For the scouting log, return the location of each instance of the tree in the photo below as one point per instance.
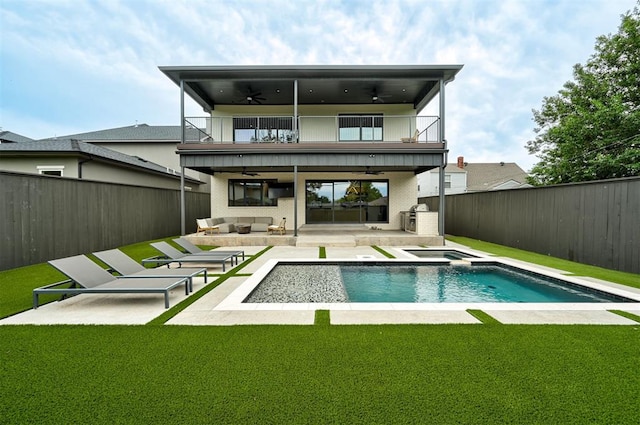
(590, 130)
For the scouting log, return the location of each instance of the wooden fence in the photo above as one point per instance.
(594, 223)
(45, 217)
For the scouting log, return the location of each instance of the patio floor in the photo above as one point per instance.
(137, 309)
(314, 235)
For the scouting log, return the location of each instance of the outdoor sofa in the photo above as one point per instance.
(232, 224)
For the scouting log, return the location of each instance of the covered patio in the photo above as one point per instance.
(314, 235)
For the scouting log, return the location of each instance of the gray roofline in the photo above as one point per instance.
(88, 150)
(196, 74)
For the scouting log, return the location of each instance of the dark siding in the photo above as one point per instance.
(594, 223)
(43, 217)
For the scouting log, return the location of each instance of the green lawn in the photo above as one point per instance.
(432, 374)
(480, 374)
(629, 279)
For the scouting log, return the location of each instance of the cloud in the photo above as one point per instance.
(89, 64)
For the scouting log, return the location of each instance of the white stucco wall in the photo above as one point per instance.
(429, 183)
(318, 122)
(30, 165)
(402, 195)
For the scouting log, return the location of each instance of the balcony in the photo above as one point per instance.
(313, 129)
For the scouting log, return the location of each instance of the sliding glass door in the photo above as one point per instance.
(348, 201)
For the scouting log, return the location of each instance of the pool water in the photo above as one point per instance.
(448, 284)
(450, 254)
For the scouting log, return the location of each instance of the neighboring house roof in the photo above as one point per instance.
(134, 133)
(450, 168)
(73, 146)
(494, 176)
(10, 137)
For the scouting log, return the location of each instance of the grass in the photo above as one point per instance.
(320, 374)
(383, 252)
(489, 373)
(629, 279)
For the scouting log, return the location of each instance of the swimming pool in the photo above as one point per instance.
(407, 282)
(462, 283)
(301, 293)
(451, 254)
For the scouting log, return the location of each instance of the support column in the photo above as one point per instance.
(295, 110)
(441, 137)
(295, 200)
(182, 140)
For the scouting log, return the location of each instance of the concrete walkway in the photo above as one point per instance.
(136, 309)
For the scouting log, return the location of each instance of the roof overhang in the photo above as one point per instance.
(321, 158)
(210, 86)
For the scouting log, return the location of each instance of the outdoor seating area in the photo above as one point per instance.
(171, 255)
(86, 277)
(240, 225)
(212, 309)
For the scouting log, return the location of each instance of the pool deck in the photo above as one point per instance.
(216, 308)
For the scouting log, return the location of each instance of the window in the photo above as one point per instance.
(250, 193)
(447, 181)
(351, 201)
(360, 127)
(50, 170)
(262, 129)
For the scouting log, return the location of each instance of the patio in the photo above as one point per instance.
(314, 235)
(206, 311)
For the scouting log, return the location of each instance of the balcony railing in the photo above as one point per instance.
(312, 129)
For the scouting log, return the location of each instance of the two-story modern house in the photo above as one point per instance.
(315, 144)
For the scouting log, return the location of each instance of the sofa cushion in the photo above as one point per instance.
(245, 220)
(259, 227)
(265, 220)
(226, 227)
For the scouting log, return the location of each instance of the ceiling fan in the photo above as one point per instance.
(370, 172)
(248, 173)
(253, 97)
(378, 98)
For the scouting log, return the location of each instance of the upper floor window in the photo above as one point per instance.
(262, 129)
(51, 170)
(250, 193)
(360, 127)
(447, 181)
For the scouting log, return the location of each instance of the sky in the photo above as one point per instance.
(72, 66)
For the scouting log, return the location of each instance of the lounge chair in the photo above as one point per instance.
(413, 139)
(89, 278)
(172, 255)
(278, 228)
(126, 266)
(194, 250)
(203, 226)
